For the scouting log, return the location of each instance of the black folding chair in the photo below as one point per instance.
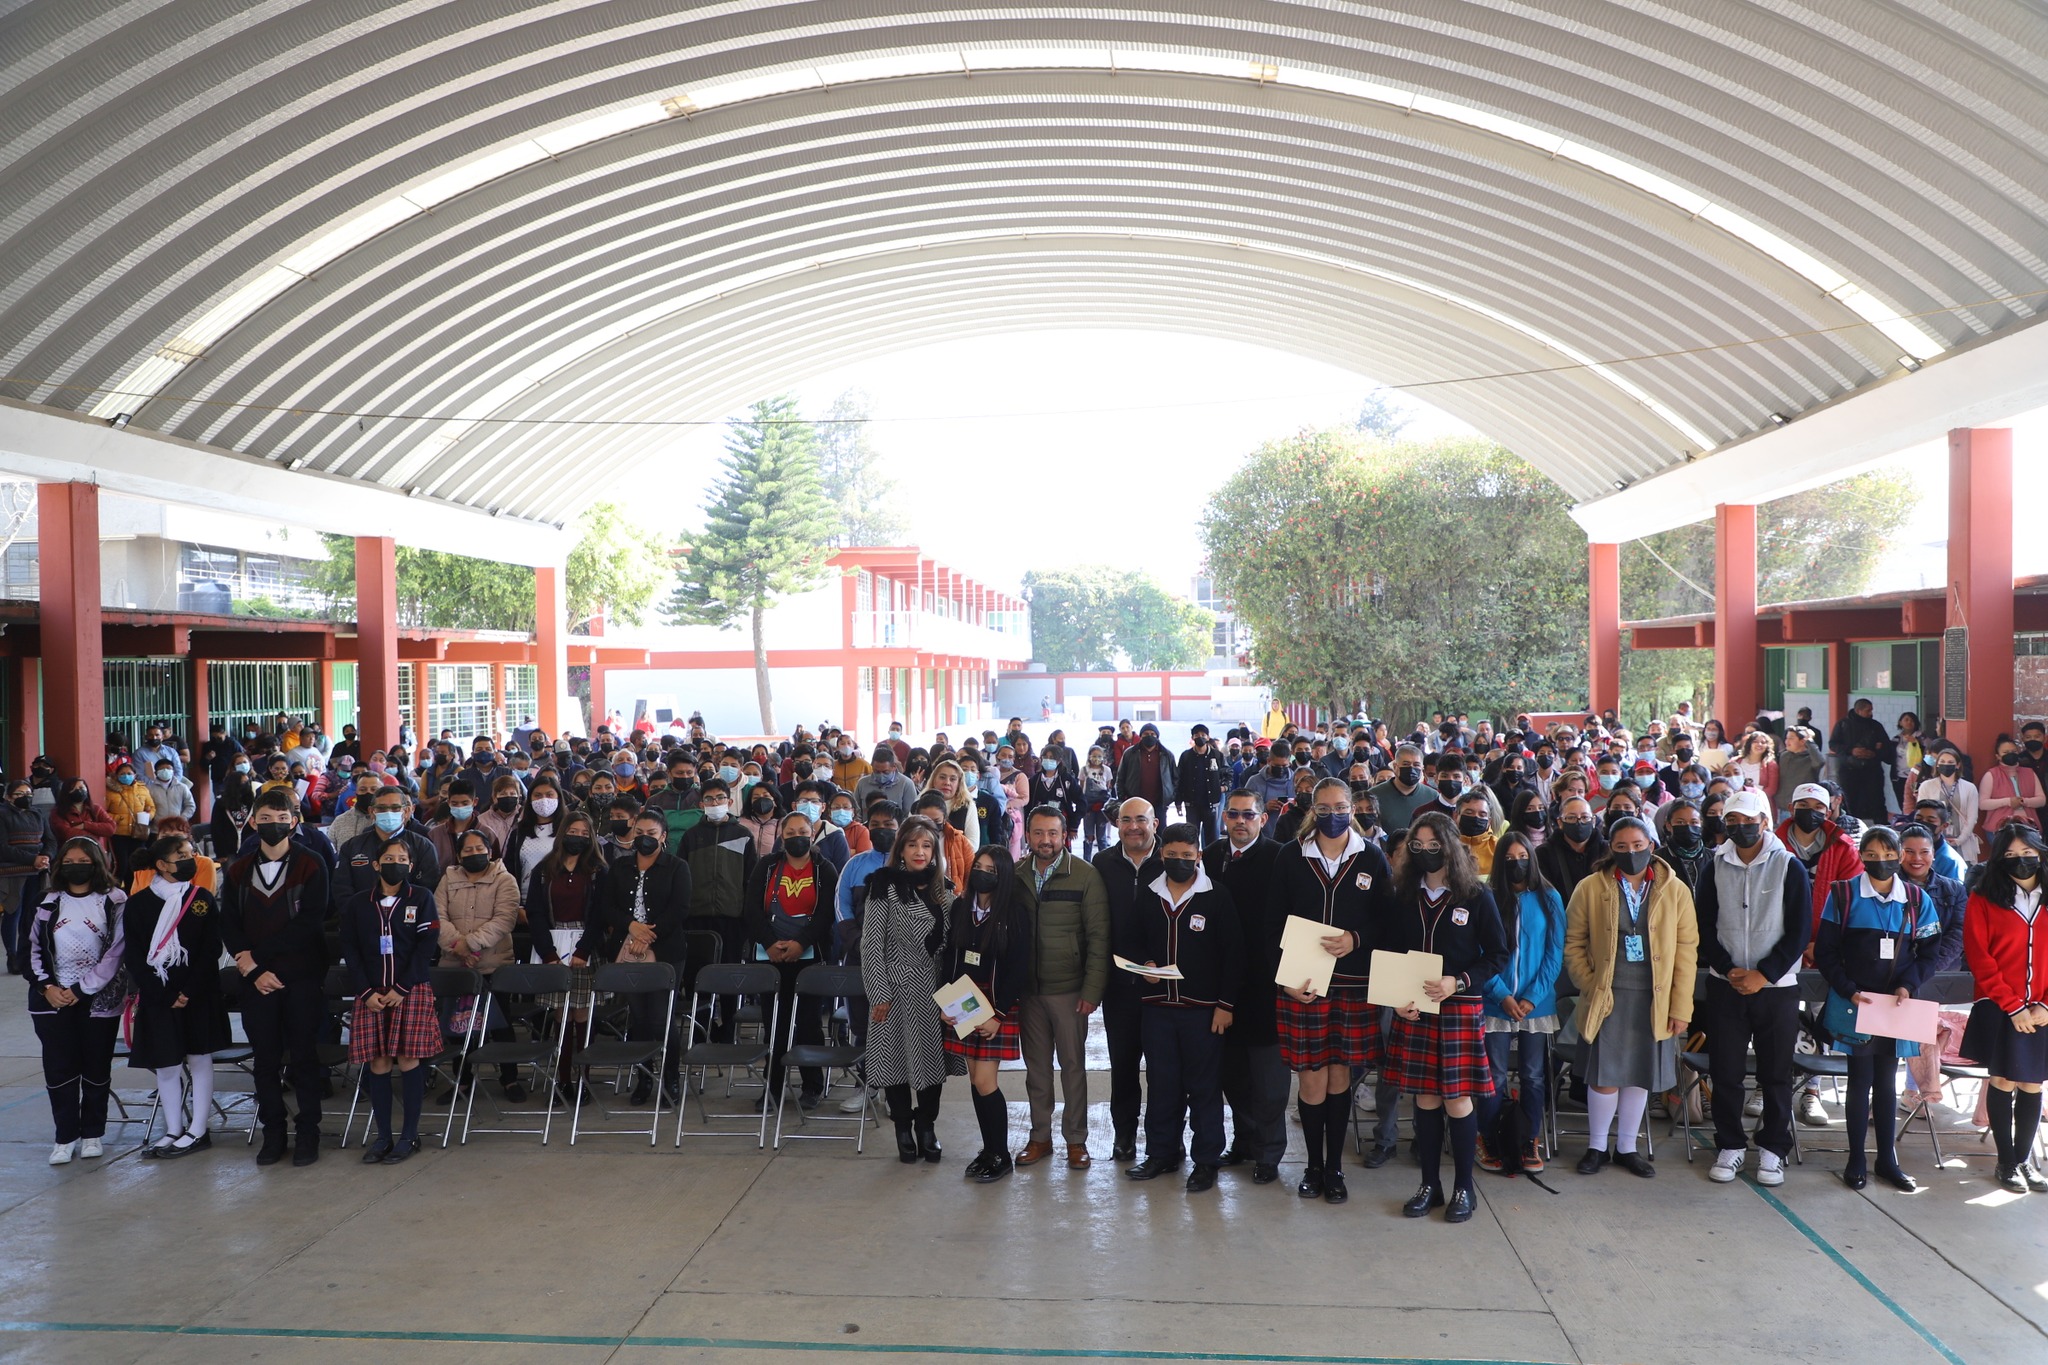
(1813, 994)
(734, 980)
(449, 984)
(825, 983)
(624, 1055)
(537, 1050)
(1947, 988)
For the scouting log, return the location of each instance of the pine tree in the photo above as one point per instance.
(766, 533)
(852, 470)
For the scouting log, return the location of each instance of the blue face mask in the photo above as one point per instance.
(390, 821)
(970, 780)
(729, 773)
(885, 779)
(1646, 781)
(126, 779)
(810, 810)
(1049, 764)
(841, 818)
(461, 813)
(1692, 790)
(1333, 825)
(1609, 781)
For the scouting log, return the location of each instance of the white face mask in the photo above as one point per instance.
(716, 814)
(544, 806)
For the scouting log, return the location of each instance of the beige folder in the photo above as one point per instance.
(1397, 979)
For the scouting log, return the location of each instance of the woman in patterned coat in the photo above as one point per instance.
(903, 933)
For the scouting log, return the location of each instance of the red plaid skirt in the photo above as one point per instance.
(411, 1028)
(1441, 1054)
(1006, 1046)
(1337, 1030)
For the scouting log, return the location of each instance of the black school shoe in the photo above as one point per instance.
(1232, 1157)
(1380, 1155)
(1265, 1173)
(1201, 1179)
(1897, 1179)
(376, 1151)
(1635, 1163)
(1152, 1167)
(1593, 1160)
(995, 1169)
(1311, 1186)
(402, 1151)
(273, 1147)
(1333, 1188)
(306, 1150)
(1459, 1210)
(1430, 1196)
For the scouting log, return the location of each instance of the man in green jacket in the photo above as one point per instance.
(1069, 972)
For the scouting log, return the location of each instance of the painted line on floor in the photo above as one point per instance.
(734, 1344)
(1827, 1249)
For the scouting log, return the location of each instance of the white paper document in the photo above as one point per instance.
(1397, 979)
(1303, 958)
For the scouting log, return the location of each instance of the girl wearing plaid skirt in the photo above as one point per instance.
(1441, 907)
(390, 935)
(990, 944)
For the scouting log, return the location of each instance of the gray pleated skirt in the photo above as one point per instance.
(1624, 1053)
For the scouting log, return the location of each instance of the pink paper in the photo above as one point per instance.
(1918, 1021)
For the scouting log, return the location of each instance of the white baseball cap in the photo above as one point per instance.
(1811, 791)
(1750, 803)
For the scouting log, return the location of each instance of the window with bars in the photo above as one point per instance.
(522, 693)
(459, 700)
(240, 693)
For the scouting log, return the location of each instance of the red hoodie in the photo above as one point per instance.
(1838, 861)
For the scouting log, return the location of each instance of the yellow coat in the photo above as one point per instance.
(1481, 847)
(1592, 939)
(125, 803)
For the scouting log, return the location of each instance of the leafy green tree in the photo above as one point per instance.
(767, 532)
(1156, 629)
(436, 590)
(862, 492)
(617, 568)
(1383, 416)
(1084, 618)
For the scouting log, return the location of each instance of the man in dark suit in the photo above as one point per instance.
(1255, 1079)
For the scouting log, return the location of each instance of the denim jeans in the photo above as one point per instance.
(1531, 1065)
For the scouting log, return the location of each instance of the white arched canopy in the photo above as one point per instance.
(482, 253)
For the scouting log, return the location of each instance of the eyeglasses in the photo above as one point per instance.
(1240, 815)
(1333, 810)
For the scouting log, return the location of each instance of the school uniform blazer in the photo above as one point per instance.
(1004, 970)
(198, 976)
(291, 939)
(1357, 898)
(1466, 931)
(1249, 878)
(1592, 940)
(1202, 938)
(2007, 954)
(816, 935)
(415, 940)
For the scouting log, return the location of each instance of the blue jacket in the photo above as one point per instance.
(1537, 933)
(1949, 898)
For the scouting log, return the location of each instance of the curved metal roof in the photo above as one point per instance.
(483, 252)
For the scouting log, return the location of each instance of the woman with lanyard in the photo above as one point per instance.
(1878, 935)
(559, 896)
(1335, 876)
(390, 938)
(902, 943)
(1632, 944)
(2005, 943)
(1521, 1002)
(789, 917)
(989, 943)
(76, 994)
(172, 932)
(1441, 907)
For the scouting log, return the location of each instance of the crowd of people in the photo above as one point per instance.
(1573, 878)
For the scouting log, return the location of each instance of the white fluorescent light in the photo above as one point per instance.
(603, 126)
(338, 241)
(471, 174)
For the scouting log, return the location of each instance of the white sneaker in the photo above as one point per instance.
(852, 1104)
(1808, 1110)
(1770, 1169)
(61, 1154)
(90, 1148)
(1727, 1165)
(1754, 1105)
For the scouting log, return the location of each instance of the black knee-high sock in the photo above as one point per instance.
(1312, 1131)
(1884, 1110)
(378, 1084)
(1862, 1073)
(414, 1085)
(1429, 1143)
(1464, 1145)
(2026, 1124)
(1336, 1127)
(994, 1113)
(1999, 1104)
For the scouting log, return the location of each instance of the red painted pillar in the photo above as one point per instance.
(1603, 640)
(377, 642)
(25, 725)
(551, 649)
(74, 667)
(1980, 584)
(1735, 643)
(500, 723)
(422, 694)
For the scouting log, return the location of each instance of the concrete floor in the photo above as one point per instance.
(505, 1251)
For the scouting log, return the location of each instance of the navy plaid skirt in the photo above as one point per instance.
(412, 1028)
(1441, 1054)
(1006, 1046)
(1335, 1030)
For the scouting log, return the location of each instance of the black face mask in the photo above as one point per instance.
(1633, 863)
(1530, 819)
(393, 874)
(797, 845)
(475, 862)
(1685, 837)
(78, 797)
(644, 844)
(618, 828)
(1148, 742)
(1881, 869)
(1683, 756)
(2034, 746)
(24, 801)
(1179, 871)
(1449, 787)
(1472, 826)
(506, 804)
(1406, 775)
(1711, 827)
(1809, 820)
(2010, 760)
(1746, 835)
(76, 874)
(1427, 859)
(274, 832)
(184, 869)
(1368, 820)
(882, 839)
(1517, 871)
(2020, 869)
(980, 881)
(1577, 830)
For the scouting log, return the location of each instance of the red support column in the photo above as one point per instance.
(551, 649)
(323, 704)
(25, 726)
(422, 693)
(1980, 584)
(74, 667)
(1603, 641)
(501, 723)
(1735, 635)
(377, 643)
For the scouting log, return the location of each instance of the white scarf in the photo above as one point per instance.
(166, 949)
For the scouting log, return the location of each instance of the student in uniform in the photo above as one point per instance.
(1255, 1079)
(989, 943)
(172, 929)
(390, 938)
(76, 994)
(2005, 943)
(1879, 935)
(1632, 944)
(1440, 906)
(1188, 922)
(789, 919)
(1335, 875)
